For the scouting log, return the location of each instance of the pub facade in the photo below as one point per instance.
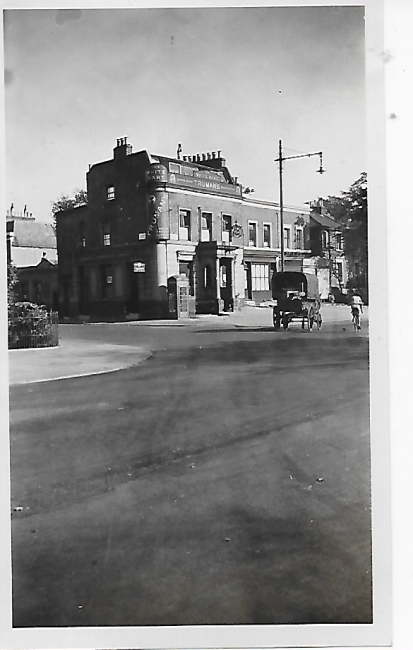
(153, 223)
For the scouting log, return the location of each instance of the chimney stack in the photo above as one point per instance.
(122, 148)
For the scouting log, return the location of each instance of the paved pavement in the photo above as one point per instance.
(80, 358)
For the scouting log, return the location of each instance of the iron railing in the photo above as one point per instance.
(31, 326)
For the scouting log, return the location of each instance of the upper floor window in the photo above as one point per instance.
(299, 238)
(110, 193)
(339, 241)
(105, 228)
(206, 226)
(252, 233)
(226, 228)
(266, 235)
(184, 224)
(287, 237)
(324, 239)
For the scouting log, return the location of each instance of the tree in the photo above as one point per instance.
(67, 203)
(350, 209)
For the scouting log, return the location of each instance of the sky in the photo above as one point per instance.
(231, 79)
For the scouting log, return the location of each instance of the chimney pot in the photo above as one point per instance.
(209, 155)
(198, 157)
(213, 155)
(203, 156)
(219, 153)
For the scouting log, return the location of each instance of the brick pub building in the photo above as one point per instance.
(152, 219)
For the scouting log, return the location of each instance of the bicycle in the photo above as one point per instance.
(356, 319)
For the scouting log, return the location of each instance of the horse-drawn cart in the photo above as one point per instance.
(296, 297)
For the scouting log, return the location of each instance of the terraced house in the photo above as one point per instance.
(162, 237)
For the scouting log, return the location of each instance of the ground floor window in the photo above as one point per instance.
(223, 276)
(207, 276)
(260, 277)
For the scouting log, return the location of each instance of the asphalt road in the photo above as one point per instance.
(224, 480)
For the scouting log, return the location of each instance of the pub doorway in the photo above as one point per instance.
(225, 283)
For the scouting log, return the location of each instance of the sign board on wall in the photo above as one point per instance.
(213, 186)
(139, 267)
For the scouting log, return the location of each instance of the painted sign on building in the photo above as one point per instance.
(207, 185)
(157, 174)
(158, 226)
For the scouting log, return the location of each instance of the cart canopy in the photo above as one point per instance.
(306, 283)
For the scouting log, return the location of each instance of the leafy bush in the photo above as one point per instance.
(31, 326)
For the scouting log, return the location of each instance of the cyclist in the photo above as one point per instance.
(356, 305)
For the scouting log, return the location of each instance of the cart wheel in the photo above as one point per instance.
(310, 320)
(319, 321)
(285, 321)
(276, 319)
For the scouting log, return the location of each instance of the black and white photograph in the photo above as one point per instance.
(198, 426)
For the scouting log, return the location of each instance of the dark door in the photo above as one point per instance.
(225, 283)
(132, 303)
(248, 290)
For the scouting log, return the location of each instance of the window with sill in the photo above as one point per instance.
(184, 224)
(105, 229)
(226, 228)
(252, 234)
(299, 238)
(206, 226)
(266, 235)
(260, 277)
(287, 238)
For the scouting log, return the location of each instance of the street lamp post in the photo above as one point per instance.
(280, 161)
